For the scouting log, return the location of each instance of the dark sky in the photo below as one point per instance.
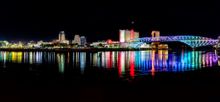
(100, 20)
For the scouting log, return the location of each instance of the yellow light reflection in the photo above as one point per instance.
(16, 57)
(30, 58)
(152, 62)
(95, 56)
(160, 54)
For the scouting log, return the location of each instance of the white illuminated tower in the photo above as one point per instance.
(62, 36)
(59, 37)
(77, 40)
(122, 35)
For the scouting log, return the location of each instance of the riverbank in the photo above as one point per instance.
(77, 49)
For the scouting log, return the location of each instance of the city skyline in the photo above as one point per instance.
(109, 50)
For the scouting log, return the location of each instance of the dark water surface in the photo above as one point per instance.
(109, 76)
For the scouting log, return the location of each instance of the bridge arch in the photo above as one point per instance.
(192, 41)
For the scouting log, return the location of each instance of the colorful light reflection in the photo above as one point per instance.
(127, 63)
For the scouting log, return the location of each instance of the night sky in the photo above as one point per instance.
(99, 20)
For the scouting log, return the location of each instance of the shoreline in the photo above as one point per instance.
(78, 49)
(88, 49)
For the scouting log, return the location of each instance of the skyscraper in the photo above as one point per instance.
(83, 40)
(127, 35)
(132, 34)
(76, 40)
(62, 36)
(121, 35)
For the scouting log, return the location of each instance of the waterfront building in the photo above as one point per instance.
(62, 38)
(76, 40)
(83, 40)
(98, 44)
(112, 44)
(105, 44)
(127, 35)
(121, 36)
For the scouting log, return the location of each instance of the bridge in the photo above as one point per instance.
(192, 41)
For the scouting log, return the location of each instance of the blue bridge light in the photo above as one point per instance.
(192, 41)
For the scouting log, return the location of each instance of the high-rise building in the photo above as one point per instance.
(127, 35)
(76, 40)
(121, 35)
(83, 40)
(62, 38)
(132, 34)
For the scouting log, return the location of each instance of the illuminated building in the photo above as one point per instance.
(121, 35)
(98, 44)
(83, 40)
(76, 40)
(62, 38)
(107, 44)
(112, 44)
(132, 34)
(127, 35)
